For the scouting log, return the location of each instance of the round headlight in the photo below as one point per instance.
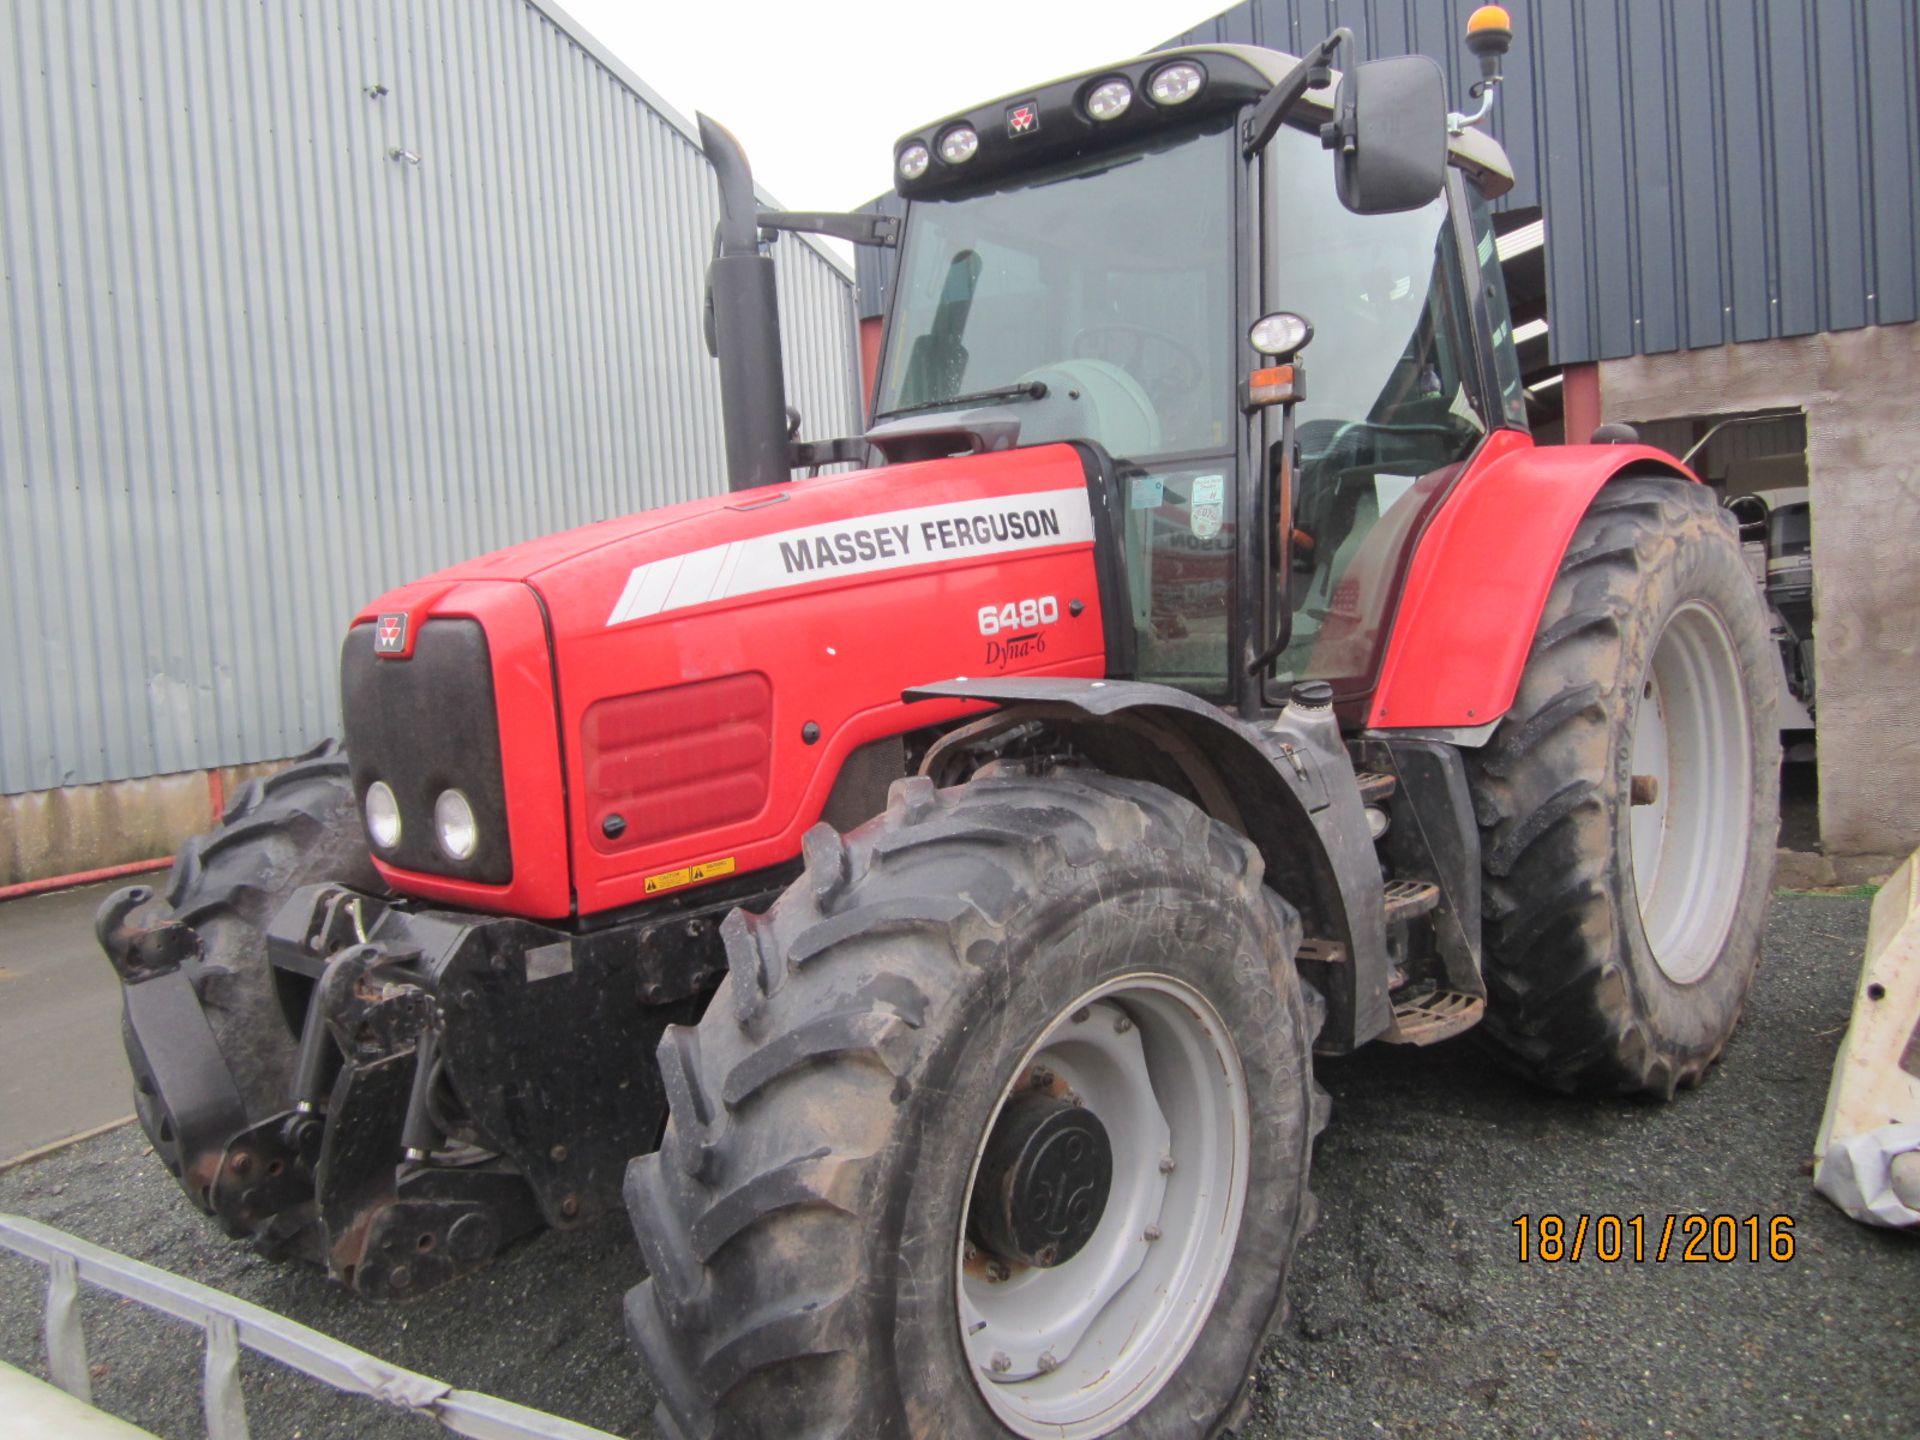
(1177, 83)
(1281, 333)
(959, 144)
(1109, 100)
(914, 161)
(383, 815)
(454, 825)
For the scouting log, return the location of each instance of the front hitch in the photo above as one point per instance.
(459, 1080)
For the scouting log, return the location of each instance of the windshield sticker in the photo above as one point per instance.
(1147, 493)
(1205, 521)
(1209, 489)
(895, 540)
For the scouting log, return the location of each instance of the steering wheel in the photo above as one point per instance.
(1164, 368)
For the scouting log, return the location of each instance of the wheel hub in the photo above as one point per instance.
(1121, 1139)
(1043, 1181)
(1690, 818)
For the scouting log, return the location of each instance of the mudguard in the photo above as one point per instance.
(1480, 574)
(1289, 787)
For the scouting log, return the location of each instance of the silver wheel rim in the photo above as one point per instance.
(1078, 1349)
(1691, 735)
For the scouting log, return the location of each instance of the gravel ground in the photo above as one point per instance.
(1411, 1313)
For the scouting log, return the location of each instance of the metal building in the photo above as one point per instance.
(1714, 170)
(302, 301)
(1716, 217)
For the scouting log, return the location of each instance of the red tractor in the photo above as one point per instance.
(919, 892)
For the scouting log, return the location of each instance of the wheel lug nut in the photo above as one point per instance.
(1082, 1015)
(1000, 1363)
(1041, 1079)
(1121, 1024)
(997, 1270)
(1046, 1364)
(1152, 1232)
(1166, 1164)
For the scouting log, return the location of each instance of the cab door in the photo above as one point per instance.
(1400, 397)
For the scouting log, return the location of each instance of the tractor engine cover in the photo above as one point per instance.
(702, 673)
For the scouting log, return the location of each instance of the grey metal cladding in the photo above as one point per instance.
(1711, 170)
(301, 301)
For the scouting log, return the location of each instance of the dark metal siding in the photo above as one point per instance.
(1710, 170)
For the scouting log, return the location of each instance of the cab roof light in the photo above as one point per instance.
(1110, 99)
(1176, 84)
(959, 145)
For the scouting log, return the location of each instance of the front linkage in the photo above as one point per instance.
(459, 1080)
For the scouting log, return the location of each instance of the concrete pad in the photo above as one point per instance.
(1810, 870)
(30, 1407)
(63, 1071)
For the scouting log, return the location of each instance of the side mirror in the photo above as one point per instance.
(1389, 135)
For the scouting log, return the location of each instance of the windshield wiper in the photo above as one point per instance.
(1032, 390)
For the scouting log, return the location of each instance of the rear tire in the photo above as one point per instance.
(297, 827)
(1622, 938)
(803, 1221)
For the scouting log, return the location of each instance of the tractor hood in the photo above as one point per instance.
(706, 669)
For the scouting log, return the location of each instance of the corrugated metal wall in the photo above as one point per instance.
(303, 300)
(1710, 170)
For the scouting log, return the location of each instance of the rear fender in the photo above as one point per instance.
(1479, 578)
(1302, 811)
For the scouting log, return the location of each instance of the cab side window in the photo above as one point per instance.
(1493, 283)
(1391, 402)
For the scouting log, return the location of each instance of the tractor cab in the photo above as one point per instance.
(1088, 261)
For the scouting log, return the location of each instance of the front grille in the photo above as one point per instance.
(427, 724)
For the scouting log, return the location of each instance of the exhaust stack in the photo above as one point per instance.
(743, 324)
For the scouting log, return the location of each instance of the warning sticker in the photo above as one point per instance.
(687, 875)
(1148, 493)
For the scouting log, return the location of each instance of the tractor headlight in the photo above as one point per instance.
(1281, 333)
(959, 144)
(1177, 83)
(454, 825)
(914, 161)
(383, 815)
(1109, 100)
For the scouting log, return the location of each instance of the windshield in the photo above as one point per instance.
(1107, 280)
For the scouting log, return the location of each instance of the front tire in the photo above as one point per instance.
(822, 1260)
(1624, 916)
(299, 826)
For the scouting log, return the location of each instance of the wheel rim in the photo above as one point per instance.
(1075, 1349)
(1691, 735)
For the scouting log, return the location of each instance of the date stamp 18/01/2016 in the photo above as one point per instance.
(1692, 1239)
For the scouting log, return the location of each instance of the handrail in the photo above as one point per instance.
(230, 1323)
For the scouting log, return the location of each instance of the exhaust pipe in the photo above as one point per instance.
(743, 324)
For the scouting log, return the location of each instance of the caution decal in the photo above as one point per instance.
(688, 874)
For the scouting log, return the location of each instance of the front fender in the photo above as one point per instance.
(1479, 578)
(1288, 788)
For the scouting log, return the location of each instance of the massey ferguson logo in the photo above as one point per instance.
(390, 634)
(1023, 119)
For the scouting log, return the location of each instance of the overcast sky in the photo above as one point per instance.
(818, 90)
